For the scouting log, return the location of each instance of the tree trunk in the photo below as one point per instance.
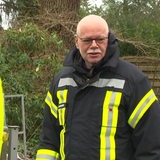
(60, 16)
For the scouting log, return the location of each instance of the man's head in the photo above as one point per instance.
(92, 39)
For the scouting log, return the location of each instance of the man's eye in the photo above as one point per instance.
(87, 40)
(100, 40)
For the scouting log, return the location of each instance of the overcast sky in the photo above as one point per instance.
(4, 22)
(97, 2)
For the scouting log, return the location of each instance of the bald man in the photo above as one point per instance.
(99, 107)
(87, 33)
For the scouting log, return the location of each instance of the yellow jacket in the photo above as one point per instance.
(1, 115)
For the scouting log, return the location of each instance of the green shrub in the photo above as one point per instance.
(29, 58)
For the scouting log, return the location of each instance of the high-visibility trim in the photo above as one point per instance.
(141, 108)
(109, 123)
(62, 97)
(61, 113)
(45, 154)
(115, 83)
(67, 82)
(50, 103)
(2, 115)
(62, 143)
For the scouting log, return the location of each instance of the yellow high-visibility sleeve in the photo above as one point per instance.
(1, 115)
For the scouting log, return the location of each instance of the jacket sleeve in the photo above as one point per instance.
(2, 115)
(49, 136)
(145, 119)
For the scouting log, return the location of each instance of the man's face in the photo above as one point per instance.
(92, 42)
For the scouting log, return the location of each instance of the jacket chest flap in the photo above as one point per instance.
(98, 102)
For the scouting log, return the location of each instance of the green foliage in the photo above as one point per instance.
(127, 49)
(29, 58)
(21, 7)
(137, 23)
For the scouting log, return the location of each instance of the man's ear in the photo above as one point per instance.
(76, 41)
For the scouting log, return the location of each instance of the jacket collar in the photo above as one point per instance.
(84, 76)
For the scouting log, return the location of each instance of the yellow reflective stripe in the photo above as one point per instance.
(103, 128)
(50, 103)
(61, 113)
(114, 124)
(46, 154)
(141, 108)
(109, 124)
(62, 143)
(2, 114)
(62, 97)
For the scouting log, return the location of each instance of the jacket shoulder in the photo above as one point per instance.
(66, 71)
(130, 71)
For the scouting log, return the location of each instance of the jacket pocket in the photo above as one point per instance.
(113, 117)
(110, 109)
(109, 117)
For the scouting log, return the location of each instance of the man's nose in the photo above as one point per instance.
(94, 43)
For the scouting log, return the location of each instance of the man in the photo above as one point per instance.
(99, 107)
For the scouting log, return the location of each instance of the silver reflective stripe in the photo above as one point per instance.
(46, 157)
(110, 114)
(109, 129)
(141, 108)
(51, 104)
(67, 82)
(116, 83)
(109, 125)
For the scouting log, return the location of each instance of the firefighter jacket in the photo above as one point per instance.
(107, 113)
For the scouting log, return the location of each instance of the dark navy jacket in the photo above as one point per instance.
(107, 113)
